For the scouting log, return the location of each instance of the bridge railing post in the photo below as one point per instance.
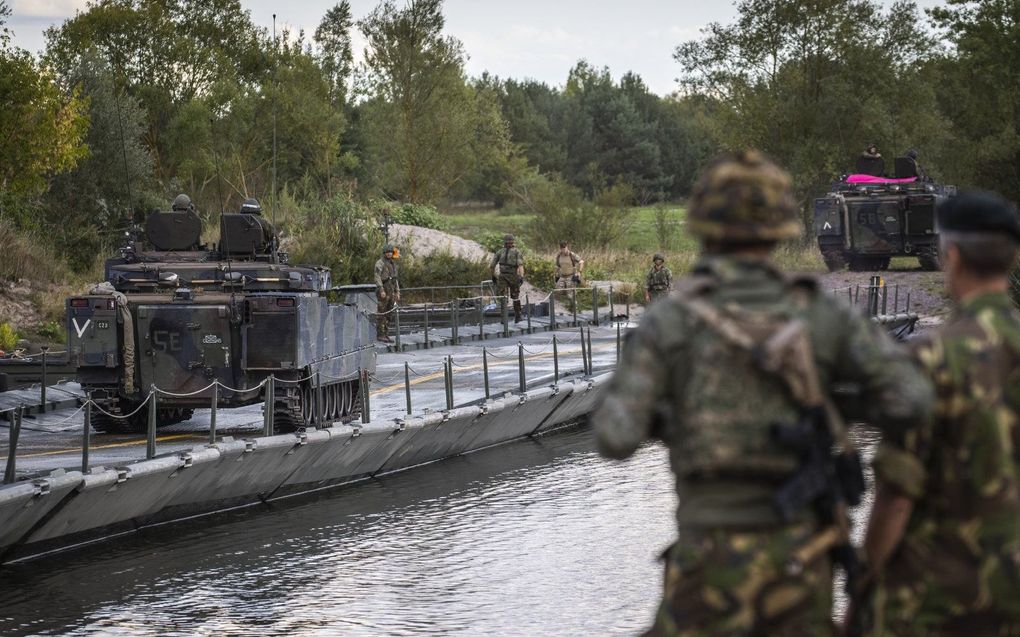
(86, 435)
(522, 381)
(584, 353)
(366, 404)
(214, 406)
(485, 371)
(150, 437)
(42, 390)
(407, 386)
(268, 413)
(556, 361)
(448, 381)
(11, 470)
(396, 323)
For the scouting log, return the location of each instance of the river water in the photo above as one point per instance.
(538, 537)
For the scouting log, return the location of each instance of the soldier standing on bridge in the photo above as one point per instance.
(508, 272)
(659, 279)
(944, 537)
(568, 268)
(387, 285)
(712, 372)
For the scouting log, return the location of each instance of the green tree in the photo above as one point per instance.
(85, 205)
(979, 89)
(170, 52)
(812, 83)
(333, 37)
(42, 129)
(423, 124)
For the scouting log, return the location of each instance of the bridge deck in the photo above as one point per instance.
(53, 439)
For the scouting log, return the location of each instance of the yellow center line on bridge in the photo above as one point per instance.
(378, 392)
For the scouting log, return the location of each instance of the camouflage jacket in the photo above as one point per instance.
(386, 275)
(509, 259)
(678, 381)
(658, 279)
(962, 542)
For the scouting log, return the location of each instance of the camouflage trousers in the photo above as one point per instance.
(733, 584)
(658, 294)
(384, 313)
(509, 284)
(942, 590)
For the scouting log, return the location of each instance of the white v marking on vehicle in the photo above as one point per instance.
(80, 330)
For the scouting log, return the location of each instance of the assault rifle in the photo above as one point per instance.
(827, 482)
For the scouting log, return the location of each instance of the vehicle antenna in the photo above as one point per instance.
(276, 65)
(123, 153)
(224, 248)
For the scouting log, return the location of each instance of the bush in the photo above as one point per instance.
(341, 234)
(412, 214)
(493, 242)
(53, 332)
(8, 337)
(540, 271)
(442, 269)
(563, 213)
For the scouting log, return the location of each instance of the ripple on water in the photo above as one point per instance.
(539, 537)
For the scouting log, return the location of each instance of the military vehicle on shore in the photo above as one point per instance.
(176, 314)
(867, 218)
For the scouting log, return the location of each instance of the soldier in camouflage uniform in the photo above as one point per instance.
(508, 273)
(387, 285)
(944, 537)
(659, 279)
(681, 380)
(568, 268)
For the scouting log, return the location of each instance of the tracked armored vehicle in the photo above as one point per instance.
(868, 219)
(176, 315)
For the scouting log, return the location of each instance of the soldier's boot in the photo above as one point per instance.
(517, 311)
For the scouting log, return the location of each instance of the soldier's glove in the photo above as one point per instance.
(520, 280)
(495, 279)
(577, 279)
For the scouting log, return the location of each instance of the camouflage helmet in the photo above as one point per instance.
(508, 238)
(182, 203)
(743, 198)
(658, 257)
(389, 247)
(251, 206)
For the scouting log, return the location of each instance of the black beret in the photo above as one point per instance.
(979, 212)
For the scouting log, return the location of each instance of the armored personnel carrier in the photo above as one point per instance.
(867, 219)
(176, 314)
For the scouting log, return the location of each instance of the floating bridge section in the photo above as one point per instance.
(426, 405)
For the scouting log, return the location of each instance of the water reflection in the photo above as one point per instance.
(538, 537)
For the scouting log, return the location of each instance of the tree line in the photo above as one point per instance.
(133, 101)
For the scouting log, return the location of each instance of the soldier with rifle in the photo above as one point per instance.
(734, 373)
(943, 543)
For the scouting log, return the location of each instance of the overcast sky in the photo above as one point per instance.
(538, 39)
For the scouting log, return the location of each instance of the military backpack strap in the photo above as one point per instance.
(786, 353)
